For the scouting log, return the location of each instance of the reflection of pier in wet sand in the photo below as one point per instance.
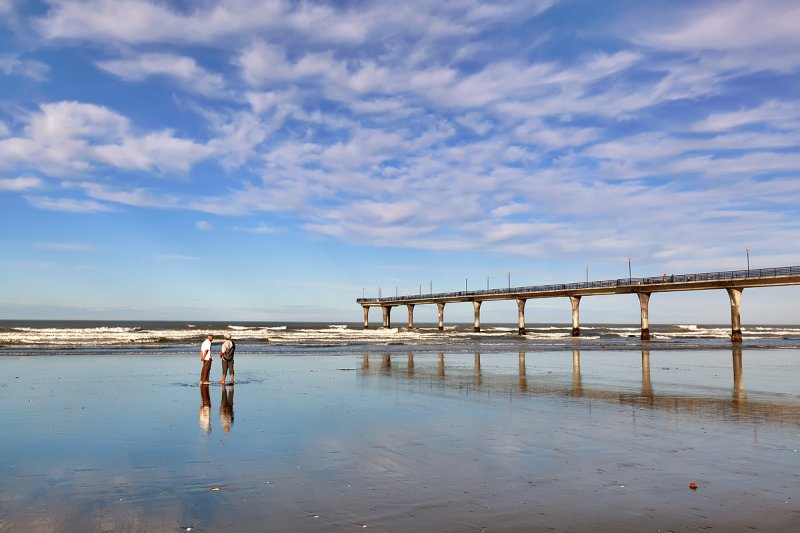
(524, 383)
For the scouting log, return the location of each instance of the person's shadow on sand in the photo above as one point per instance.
(226, 408)
(205, 409)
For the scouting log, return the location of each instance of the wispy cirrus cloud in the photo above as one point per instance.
(184, 70)
(68, 205)
(63, 246)
(22, 183)
(13, 65)
(423, 126)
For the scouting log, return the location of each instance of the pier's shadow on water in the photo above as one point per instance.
(460, 373)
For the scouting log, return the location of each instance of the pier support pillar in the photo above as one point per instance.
(644, 302)
(521, 315)
(440, 306)
(410, 316)
(576, 325)
(387, 316)
(736, 322)
(366, 316)
(477, 326)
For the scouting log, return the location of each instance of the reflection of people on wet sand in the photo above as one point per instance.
(226, 357)
(205, 408)
(226, 408)
(205, 357)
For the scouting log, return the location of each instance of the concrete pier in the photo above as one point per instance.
(521, 315)
(734, 282)
(576, 325)
(410, 316)
(387, 316)
(644, 301)
(735, 296)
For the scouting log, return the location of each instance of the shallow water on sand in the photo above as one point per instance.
(593, 440)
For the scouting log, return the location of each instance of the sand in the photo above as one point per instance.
(558, 441)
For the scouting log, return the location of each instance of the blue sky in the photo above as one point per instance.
(273, 160)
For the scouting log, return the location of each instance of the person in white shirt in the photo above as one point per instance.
(205, 357)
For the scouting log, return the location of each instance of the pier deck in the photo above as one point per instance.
(734, 282)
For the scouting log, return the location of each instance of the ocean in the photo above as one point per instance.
(42, 337)
(329, 426)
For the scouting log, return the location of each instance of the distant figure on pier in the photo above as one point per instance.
(205, 357)
(226, 357)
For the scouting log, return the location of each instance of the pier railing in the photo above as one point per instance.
(753, 273)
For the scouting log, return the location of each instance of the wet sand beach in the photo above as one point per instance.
(404, 441)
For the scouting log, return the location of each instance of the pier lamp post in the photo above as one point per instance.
(747, 251)
(629, 269)
(395, 291)
(379, 293)
(587, 273)
(430, 281)
(466, 284)
(487, 283)
(509, 280)
(363, 292)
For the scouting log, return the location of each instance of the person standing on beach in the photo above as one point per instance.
(226, 357)
(205, 357)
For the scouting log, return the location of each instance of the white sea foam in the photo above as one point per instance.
(343, 334)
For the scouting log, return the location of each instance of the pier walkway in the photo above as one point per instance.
(734, 282)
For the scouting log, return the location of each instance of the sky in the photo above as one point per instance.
(275, 160)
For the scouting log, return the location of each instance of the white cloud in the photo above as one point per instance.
(138, 197)
(138, 21)
(261, 229)
(68, 205)
(183, 69)
(23, 183)
(160, 150)
(63, 246)
(12, 65)
(178, 257)
(735, 25)
(772, 112)
(203, 225)
(64, 138)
